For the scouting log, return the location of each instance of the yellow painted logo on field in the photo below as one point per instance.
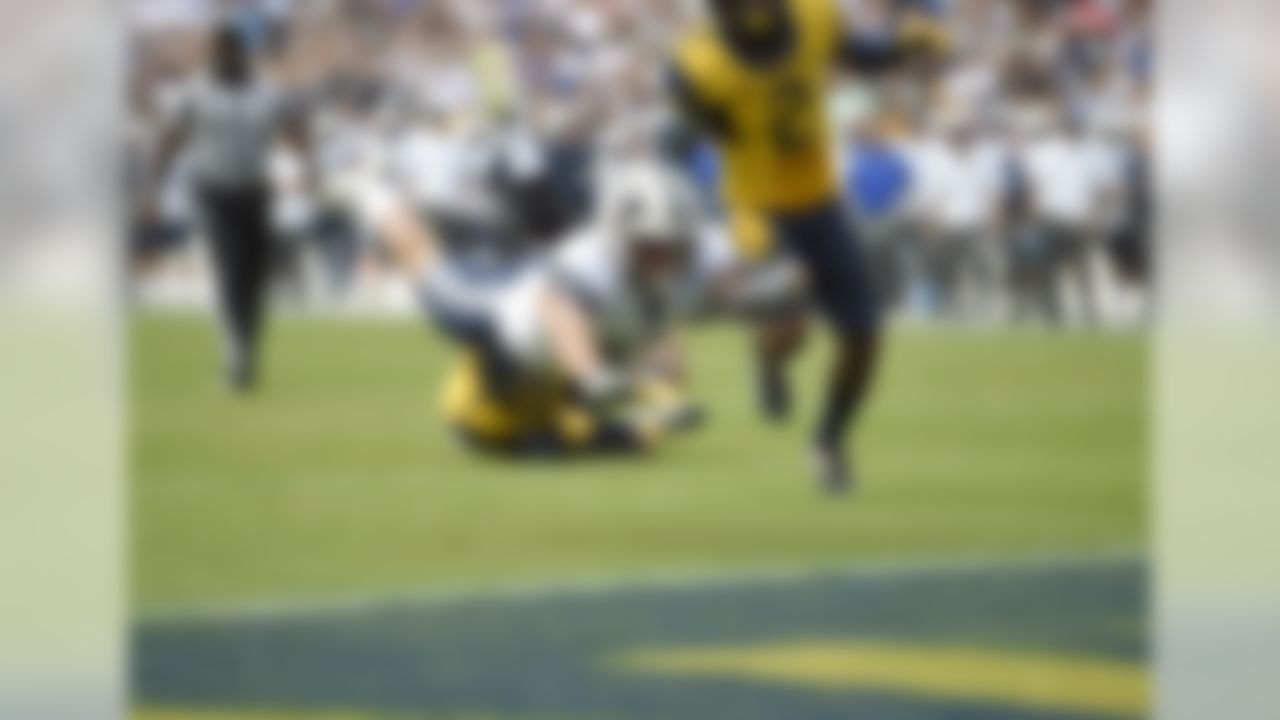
(1025, 680)
(156, 714)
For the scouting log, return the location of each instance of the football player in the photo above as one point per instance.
(754, 78)
(555, 349)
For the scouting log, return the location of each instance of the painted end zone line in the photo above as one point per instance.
(294, 607)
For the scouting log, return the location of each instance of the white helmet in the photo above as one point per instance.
(647, 204)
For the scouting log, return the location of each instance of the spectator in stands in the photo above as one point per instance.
(1065, 205)
(962, 210)
(593, 68)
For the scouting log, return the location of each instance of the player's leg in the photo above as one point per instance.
(459, 305)
(259, 244)
(223, 221)
(828, 245)
(848, 387)
(778, 336)
(777, 341)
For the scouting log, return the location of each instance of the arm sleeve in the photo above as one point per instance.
(696, 110)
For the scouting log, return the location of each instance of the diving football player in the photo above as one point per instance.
(554, 347)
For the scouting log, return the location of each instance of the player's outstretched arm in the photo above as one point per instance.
(411, 242)
(695, 111)
(412, 245)
(910, 37)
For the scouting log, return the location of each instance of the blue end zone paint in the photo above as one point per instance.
(546, 654)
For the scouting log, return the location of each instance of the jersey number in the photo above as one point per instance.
(792, 121)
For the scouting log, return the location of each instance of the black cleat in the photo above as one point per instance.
(836, 475)
(242, 378)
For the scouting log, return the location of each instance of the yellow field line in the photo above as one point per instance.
(1027, 680)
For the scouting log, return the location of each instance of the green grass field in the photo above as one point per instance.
(339, 477)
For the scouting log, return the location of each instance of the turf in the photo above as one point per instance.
(997, 642)
(340, 477)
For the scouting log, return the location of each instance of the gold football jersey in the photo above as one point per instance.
(780, 156)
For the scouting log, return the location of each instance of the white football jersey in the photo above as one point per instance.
(626, 318)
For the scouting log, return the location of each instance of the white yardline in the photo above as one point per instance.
(301, 607)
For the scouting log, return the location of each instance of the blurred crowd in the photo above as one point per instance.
(1010, 183)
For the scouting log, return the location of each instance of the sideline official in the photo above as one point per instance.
(225, 126)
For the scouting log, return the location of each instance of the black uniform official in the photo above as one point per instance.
(227, 121)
